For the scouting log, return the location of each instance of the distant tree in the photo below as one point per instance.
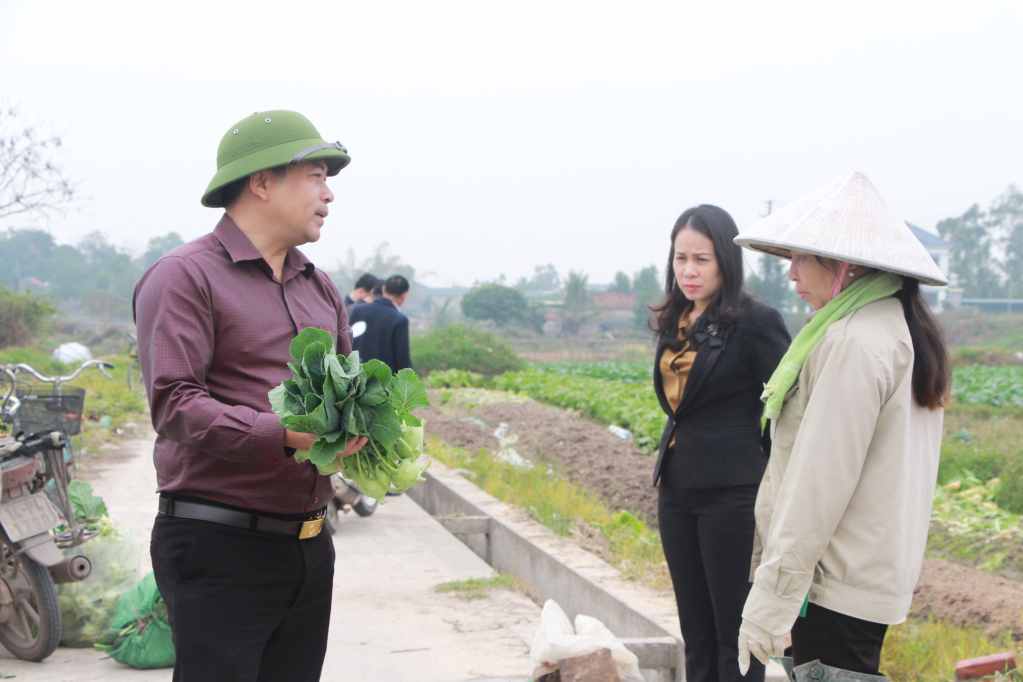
(972, 262)
(158, 246)
(381, 263)
(32, 179)
(771, 284)
(23, 317)
(444, 313)
(621, 285)
(25, 253)
(495, 302)
(536, 316)
(1006, 217)
(577, 306)
(105, 306)
(545, 278)
(70, 273)
(109, 268)
(649, 289)
(646, 282)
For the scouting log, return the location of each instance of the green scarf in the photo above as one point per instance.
(871, 288)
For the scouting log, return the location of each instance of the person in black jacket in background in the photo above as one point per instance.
(716, 348)
(381, 331)
(362, 292)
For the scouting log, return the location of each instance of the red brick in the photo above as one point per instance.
(973, 668)
(595, 667)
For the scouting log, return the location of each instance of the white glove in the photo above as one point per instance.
(758, 641)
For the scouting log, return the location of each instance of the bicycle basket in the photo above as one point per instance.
(44, 409)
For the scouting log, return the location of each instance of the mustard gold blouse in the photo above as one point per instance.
(675, 368)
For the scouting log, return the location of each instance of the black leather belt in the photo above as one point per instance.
(309, 528)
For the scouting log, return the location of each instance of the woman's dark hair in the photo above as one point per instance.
(932, 371)
(731, 300)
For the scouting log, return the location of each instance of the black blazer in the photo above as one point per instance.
(386, 335)
(718, 440)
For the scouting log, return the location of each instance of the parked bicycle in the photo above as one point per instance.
(36, 516)
(135, 382)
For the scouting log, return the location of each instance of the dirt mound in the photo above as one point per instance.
(966, 596)
(586, 453)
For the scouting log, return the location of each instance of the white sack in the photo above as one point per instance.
(557, 640)
(71, 353)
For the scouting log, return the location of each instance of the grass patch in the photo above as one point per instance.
(561, 506)
(984, 441)
(480, 588)
(927, 651)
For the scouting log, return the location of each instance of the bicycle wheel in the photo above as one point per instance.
(29, 611)
(135, 382)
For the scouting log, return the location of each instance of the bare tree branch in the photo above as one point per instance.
(32, 180)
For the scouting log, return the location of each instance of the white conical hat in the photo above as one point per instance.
(847, 220)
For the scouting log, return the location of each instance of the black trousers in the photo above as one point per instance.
(708, 543)
(837, 640)
(243, 606)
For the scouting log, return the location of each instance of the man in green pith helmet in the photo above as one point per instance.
(237, 547)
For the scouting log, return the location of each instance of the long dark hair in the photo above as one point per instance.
(731, 300)
(932, 371)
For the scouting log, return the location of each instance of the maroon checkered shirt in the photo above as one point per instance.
(214, 327)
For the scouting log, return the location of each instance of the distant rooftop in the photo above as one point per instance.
(928, 238)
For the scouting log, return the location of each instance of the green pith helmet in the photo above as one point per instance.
(265, 140)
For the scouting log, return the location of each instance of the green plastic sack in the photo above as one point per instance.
(87, 607)
(140, 636)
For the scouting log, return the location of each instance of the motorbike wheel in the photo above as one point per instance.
(32, 630)
(330, 522)
(365, 506)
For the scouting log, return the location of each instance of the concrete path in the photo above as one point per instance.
(387, 623)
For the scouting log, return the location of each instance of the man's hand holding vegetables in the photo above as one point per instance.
(238, 558)
(304, 441)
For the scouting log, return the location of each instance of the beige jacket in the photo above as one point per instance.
(845, 504)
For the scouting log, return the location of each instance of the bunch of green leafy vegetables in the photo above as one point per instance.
(87, 607)
(339, 398)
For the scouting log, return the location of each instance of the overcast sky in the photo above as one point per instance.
(490, 137)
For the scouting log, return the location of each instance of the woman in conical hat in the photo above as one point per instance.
(856, 410)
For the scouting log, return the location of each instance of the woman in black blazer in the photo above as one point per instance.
(716, 348)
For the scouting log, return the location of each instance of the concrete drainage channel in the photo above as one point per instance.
(580, 582)
(511, 542)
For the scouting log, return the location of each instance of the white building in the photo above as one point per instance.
(941, 252)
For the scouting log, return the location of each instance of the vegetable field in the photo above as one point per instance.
(997, 386)
(623, 403)
(629, 372)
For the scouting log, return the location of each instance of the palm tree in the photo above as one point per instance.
(577, 306)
